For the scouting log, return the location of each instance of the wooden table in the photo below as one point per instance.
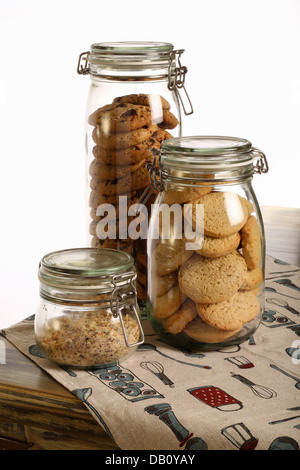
(38, 413)
(282, 227)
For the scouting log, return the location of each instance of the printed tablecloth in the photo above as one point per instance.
(242, 397)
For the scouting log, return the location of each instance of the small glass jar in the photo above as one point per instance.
(88, 315)
(133, 105)
(206, 243)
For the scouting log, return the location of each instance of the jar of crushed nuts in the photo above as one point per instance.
(88, 315)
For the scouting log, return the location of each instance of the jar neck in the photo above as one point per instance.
(187, 176)
(118, 75)
(90, 293)
(218, 159)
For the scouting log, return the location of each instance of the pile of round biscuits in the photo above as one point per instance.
(209, 293)
(125, 132)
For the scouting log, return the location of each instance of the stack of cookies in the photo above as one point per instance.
(209, 294)
(125, 132)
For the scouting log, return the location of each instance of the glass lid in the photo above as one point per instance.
(129, 56)
(207, 145)
(206, 151)
(132, 48)
(86, 262)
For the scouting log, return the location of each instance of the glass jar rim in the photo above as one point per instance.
(129, 56)
(207, 152)
(87, 262)
(207, 145)
(132, 48)
(78, 268)
(213, 157)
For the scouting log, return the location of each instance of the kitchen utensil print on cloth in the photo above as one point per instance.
(297, 385)
(283, 304)
(157, 369)
(84, 394)
(167, 416)
(258, 390)
(240, 361)
(294, 353)
(294, 408)
(284, 274)
(240, 436)
(272, 289)
(126, 383)
(288, 283)
(274, 319)
(151, 347)
(284, 419)
(284, 443)
(216, 398)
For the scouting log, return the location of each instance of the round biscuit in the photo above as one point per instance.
(97, 198)
(120, 117)
(224, 213)
(161, 284)
(111, 172)
(126, 156)
(168, 303)
(200, 331)
(253, 278)
(116, 244)
(120, 140)
(178, 321)
(168, 258)
(169, 120)
(215, 247)
(185, 194)
(143, 99)
(251, 242)
(232, 313)
(211, 280)
(131, 182)
(159, 106)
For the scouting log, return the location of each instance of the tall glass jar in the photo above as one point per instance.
(133, 106)
(206, 243)
(88, 315)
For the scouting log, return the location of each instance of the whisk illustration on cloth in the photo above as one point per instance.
(151, 347)
(258, 390)
(157, 369)
(283, 303)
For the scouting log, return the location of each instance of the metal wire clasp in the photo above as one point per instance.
(177, 79)
(120, 300)
(156, 182)
(261, 164)
(83, 69)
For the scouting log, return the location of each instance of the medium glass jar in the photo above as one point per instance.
(88, 315)
(206, 243)
(133, 105)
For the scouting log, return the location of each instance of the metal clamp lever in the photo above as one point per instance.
(83, 69)
(118, 298)
(177, 80)
(261, 163)
(155, 183)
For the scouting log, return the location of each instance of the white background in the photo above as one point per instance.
(243, 59)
